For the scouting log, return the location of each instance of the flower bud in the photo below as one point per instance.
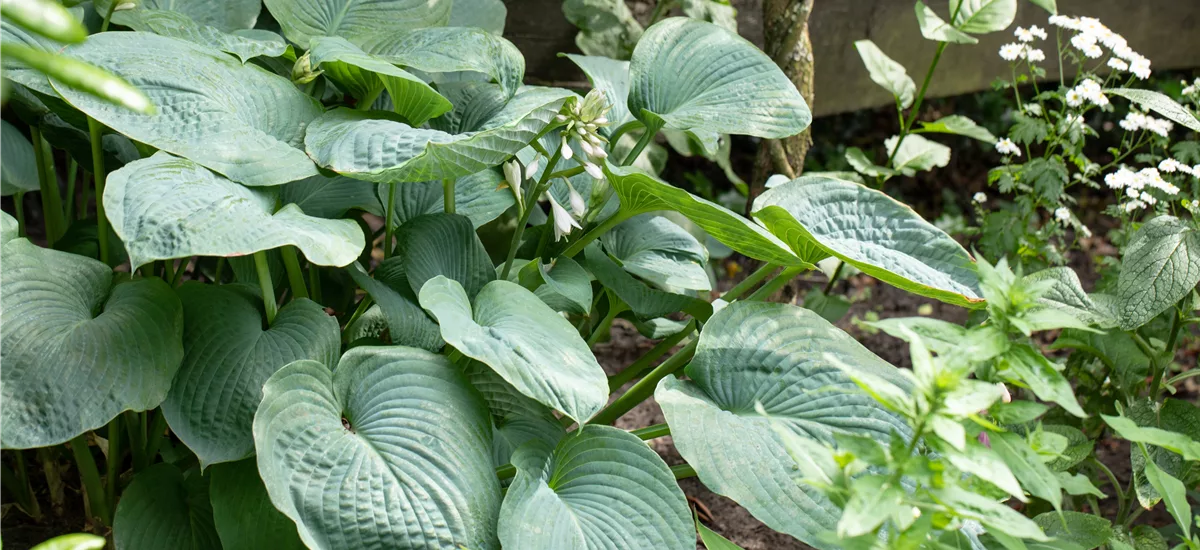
(567, 152)
(593, 170)
(303, 72)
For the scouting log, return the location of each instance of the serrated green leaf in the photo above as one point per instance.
(242, 510)
(167, 207)
(693, 75)
(1066, 294)
(18, 172)
(355, 20)
(407, 323)
(225, 15)
(165, 508)
(178, 25)
(346, 455)
(1161, 265)
(452, 50)
(1159, 103)
(257, 118)
(959, 125)
(479, 197)
(887, 73)
(599, 488)
(983, 16)
(660, 252)
(934, 28)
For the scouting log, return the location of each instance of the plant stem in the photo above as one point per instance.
(113, 463)
(85, 196)
(219, 270)
(265, 284)
(833, 279)
(750, 280)
(652, 432)
(916, 106)
(155, 435)
(178, 276)
(777, 282)
(363, 306)
(523, 219)
(168, 272)
(1160, 370)
(647, 137)
(72, 173)
(112, 6)
(1112, 479)
(644, 387)
(593, 234)
(19, 206)
(389, 223)
(135, 426)
(448, 195)
(89, 475)
(295, 276)
(51, 200)
(314, 282)
(644, 362)
(614, 307)
(17, 484)
(99, 175)
(683, 471)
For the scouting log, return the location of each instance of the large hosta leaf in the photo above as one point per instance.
(528, 344)
(167, 207)
(407, 323)
(698, 76)
(445, 245)
(242, 511)
(77, 350)
(479, 197)
(452, 50)
(1160, 267)
(331, 197)
(387, 151)
(238, 120)
(228, 356)
(660, 252)
(18, 172)
(778, 356)
(179, 25)
(820, 216)
(303, 20)
(516, 419)
(645, 301)
(226, 15)
(391, 450)
(641, 192)
(362, 75)
(165, 508)
(488, 15)
(599, 488)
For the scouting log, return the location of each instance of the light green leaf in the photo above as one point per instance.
(386, 151)
(74, 541)
(331, 197)
(391, 450)
(18, 171)
(1173, 493)
(774, 355)
(934, 28)
(1040, 375)
(641, 192)
(1048, 5)
(693, 75)
(1028, 467)
(986, 464)
(645, 301)
(165, 508)
(939, 336)
(523, 340)
(660, 252)
(363, 75)
(712, 540)
(242, 511)
(516, 419)
(1066, 294)
(488, 15)
(77, 350)
(452, 50)
(477, 196)
(238, 120)
(167, 207)
(1161, 265)
(228, 356)
(887, 73)
(1172, 441)
(610, 76)
(445, 245)
(917, 154)
(990, 513)
(1078, 485)
(983, 16)
(869, 230)
(407, 323)
(959, 125)
(178, 25)
(1088, 531)
(355, 20)
(225, 15)
(1078, 446)
(599, 488)
(1159, 103)
(863, 165)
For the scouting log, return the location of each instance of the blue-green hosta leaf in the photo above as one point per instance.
(641, 192)
(386, 151)
(917, 154)
(660, 252)
(407, 323)
(778, 356)
(528, 344)
(477, 196)
(16, 71)
(446, 245)
(179, 25)
(1160, 267)
(887, 73)
(242, 511)
(645, 301)
(8, 228)
(983, 16)
(225, 15)
(934, 28)
(77, 350)
(228, 356)
(599, 488)
(606, 27)
(238, 120)
(1161, 104)
(959, 125)
(331, 197)
(698, 76)
(362, 75)
(18, 171)
(355, 20)
(165, 508)
(869, 230)
(610, 76)
(488, 15)
(167, 207)
(452, 50)
(516, 419)
(391, 450)
(714, 11)
(568, 286)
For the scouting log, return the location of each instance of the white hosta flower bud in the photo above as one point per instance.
(598, 153)
(587, 148)
(578, 205)
(302, 70)
(601, 121)
(560, 118)
(125, 6)
(563, 222)
(566, 150)
(532, 168)
(593, 170)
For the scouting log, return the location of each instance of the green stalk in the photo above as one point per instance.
(112, 6)
(264, 283)
(777, 282)
(646, 361)
(48, 183)
(178, 276)
(523, 219)
(448, 195)
(916, 107)
(155, 435)
(1160, 370)
(19, 205)
(750, 280)
(295, 276)
(644, 387)
(833, 280)
(363, 305)
(113, 463)
(72, 173)
(17, 483)
(219, 270)
(168, 272)
(614, 308)
(135, 427)
(389, 223)
(652, 432)
(89, 475)
(99, 175)
(314, 282)
(683, 471)
(647, 137)
(85, 197)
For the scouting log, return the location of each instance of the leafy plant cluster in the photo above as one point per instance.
(319, 302)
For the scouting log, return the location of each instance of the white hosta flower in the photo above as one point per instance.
(1011, 52)
(587, 147)
(1038, 32)
(1034, 55)
(1118, 64)
(1074, 99)
(1159, 126)
(578, 205)
(566, 150)
(532, 167)
(980, 197)
(1023, 34)
(598, 153)
(1062, 214)
(593, 170)
(1006, 146)
(563, 222)
(512, 174)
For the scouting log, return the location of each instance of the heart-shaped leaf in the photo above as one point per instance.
(242, 511)
(407, 323)
(363, 76)
(934, 28)
(567, 285)
(178, 25)
(77, 350)
(391, 450)
(446, 245)
(303, 20)
(820, 216)
(641, 192)
(165, 508)
(18, 172)
(887, 73)
(516, 419)
(386, 151)
(238, 120)
(452, 50)
(528, 344)
(660, 252)
(1160, 267)
(775, 355)
(228, 356)
(167, 207)
(983, 16)
(693, 75)
(599, 488)
(225, 15)
(916, 154)
(479, 197)
(331, 197)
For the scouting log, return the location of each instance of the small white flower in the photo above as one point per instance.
(1120, 179)
(563, 222)
(916, 512)
(1171, 165)
(567, 152)
(578, 205)
(1093, 52)
(1023, 34)
(1006, 146)
(1133, 193)
(1064, 22)
(1148, 198)
(1062, 214)
(1090, 90)
(593, 170)
(1038, 32)
(1134, 205)
(980, 197)
(1010, 52)
(1083, 40)
(1188, 90)
(1118, 64)
(1123, 51)
(1159, 126)
(1134, 121)
(1034, 55)
(1140, 67)
(1073, 98)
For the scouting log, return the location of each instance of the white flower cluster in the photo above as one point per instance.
(564, 222)
(980, 197)
(1191, 89)
(1135, 121)
(583, 123)
(1092, 34)
(1022, 50)
(1027, 35)
(1138, 184)
(1006, 146)
(1088, 90)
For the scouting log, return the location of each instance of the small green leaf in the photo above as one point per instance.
(332, 197)
(983, 16)
(873, 501)
(568, 285)
(1028, 467)
(887, 73)
(712, 540)
(986, 464)
(865, 166)
(1078, 485)
(1173, 493)
(165, 508)
(18, 172)
(1048, 5)
(659, 252)
(1161, 265)
(1041, 376)
(1172, 441)
(934, 28)
(916, 154)
(959, 125)
(77, 76)
(488, 15)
